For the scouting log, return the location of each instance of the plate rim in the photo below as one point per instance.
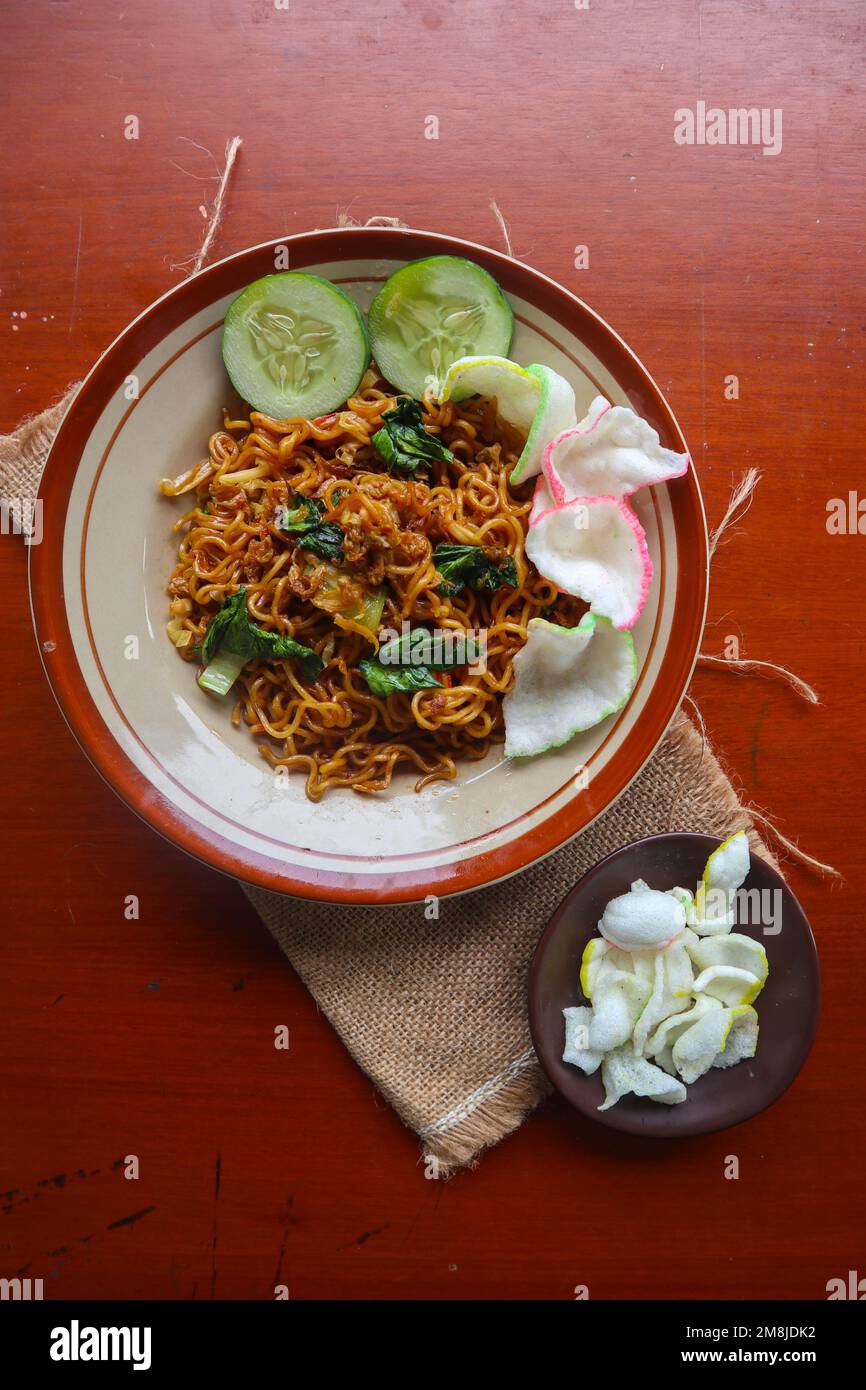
(57, 654)
(625, 1122)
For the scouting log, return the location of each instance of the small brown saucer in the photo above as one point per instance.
(787, 1007)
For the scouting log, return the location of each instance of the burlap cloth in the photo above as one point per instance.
(435, 1011)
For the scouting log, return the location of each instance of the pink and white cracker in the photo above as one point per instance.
(594, 548)
(611, 453)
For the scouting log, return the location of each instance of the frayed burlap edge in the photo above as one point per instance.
(459, 1139)
(24, 451)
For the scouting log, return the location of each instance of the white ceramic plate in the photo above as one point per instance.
(171, 752)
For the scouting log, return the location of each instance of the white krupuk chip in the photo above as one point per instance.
(729, 984)
(612, 452)
(624, 1073)
(617, 1003)
(595, 549)
(742, 1040)
(672, 987)
(667, 1032)
(601, 960)
(536, 400)
(687, 902)
(696, 1047)
(728, 866)
(576, 1051)
(732, 950)
(567, 679)
(725, 872)
(721, 1038)
(670, 981)
(642, 918)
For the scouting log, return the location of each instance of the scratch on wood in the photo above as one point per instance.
(364, 1237)
(216, 1195)
(279, 1271)
(75, 281)
(129, 1220)
(15, 1196)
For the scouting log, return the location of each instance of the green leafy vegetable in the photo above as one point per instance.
(407, 662)
(387, 680)
(231, 640)
(306, 512)
(467, 566)
(304, 519)
(324, 540)
(404, 443)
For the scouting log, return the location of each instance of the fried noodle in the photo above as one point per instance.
(335, 730)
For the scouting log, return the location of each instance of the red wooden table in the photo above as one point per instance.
(154, 1037)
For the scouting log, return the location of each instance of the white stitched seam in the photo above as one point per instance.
(484, 1092)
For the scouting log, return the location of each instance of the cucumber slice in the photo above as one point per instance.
(294, 345)
(429, 313)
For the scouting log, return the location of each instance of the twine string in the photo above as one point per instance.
(793, 848)
(344, 218)
(740, 501)
(193, 264)
(746, 665)
(503, 227)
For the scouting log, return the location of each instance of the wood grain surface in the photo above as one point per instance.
(155, 1037)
